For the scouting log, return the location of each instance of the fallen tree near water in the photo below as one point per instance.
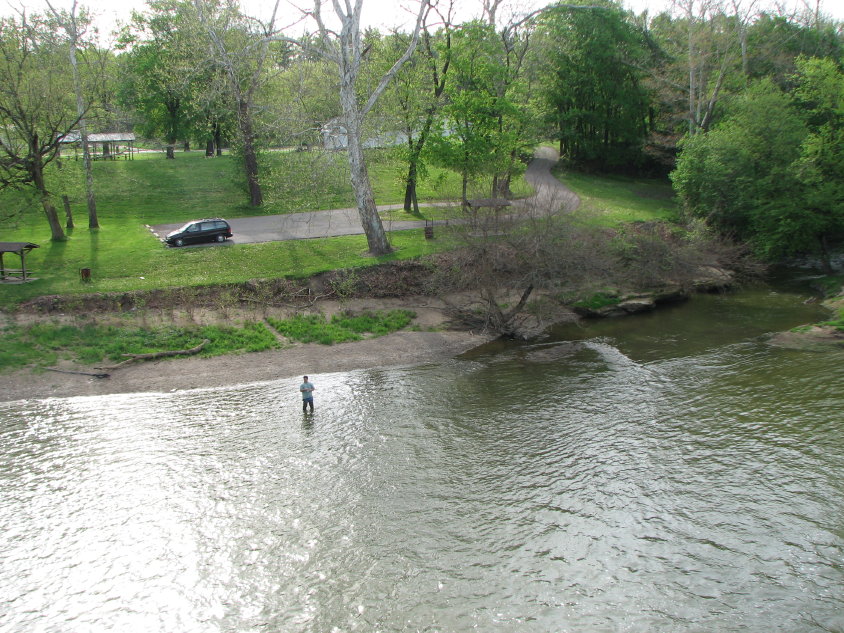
(154, 355)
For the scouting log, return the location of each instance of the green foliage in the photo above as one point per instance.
(598, 300)
(838, 322)
(776, 42)
(315, 328)
(594, 94)
(484, 126)
(42, 344)
(37, 108)
(730, 174)
(772, 171)
(312, 328)
(163, 71)
(377, 323)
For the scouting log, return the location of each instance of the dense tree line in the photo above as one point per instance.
(741, 105)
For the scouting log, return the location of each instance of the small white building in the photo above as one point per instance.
(334, 137)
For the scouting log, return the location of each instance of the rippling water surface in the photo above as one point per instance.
(665, 473)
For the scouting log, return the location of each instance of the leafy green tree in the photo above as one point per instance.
(415, 98)
(241, 50)
(481, 130)
(743, 164)
(164, 66)
(37, 109)
(75, 25)
(772, 171)
(595, 96)
(820, 167)
(518, 121)
(775, 42)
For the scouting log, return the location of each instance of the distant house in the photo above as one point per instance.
(106, 145)
(334, 137)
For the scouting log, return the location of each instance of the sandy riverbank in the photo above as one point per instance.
(394, 350)
(436, 342)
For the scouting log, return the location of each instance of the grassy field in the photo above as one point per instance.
(618, 199)
(124, 256)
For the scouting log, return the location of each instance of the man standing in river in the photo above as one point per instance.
(307, 389)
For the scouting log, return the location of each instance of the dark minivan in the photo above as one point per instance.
(213, 230)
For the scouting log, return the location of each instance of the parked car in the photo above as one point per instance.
(215, 229)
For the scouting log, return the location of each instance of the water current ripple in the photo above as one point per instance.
(604, 484)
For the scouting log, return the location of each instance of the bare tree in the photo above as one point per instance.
(346, 51)
(714, 41)
(75, 26)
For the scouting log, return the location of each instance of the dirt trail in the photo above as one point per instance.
(550, 193)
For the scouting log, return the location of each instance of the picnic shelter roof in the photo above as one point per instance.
(17, 247)
(106, 137)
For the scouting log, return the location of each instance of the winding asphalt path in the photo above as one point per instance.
(551, 196)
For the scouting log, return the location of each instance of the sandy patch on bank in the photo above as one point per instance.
(394, 350)
(436, 343)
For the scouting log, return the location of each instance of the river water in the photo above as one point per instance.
(670, 472)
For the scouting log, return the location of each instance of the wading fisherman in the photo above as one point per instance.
(307, 389)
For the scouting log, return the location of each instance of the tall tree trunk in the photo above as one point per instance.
(692, 117)
(172, 104)
(411, 204)
(93, 220)
(376, 238)
(410, 199)
(37, 172)
(68, 213)
(826, 261)
(250, 156)
(217, 139)
(348, 56)
(56, 231)
(209, 147)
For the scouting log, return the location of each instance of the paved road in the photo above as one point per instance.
(551, 195)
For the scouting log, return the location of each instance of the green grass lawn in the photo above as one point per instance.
(42, 344)
(619, 199)
(124, 256)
